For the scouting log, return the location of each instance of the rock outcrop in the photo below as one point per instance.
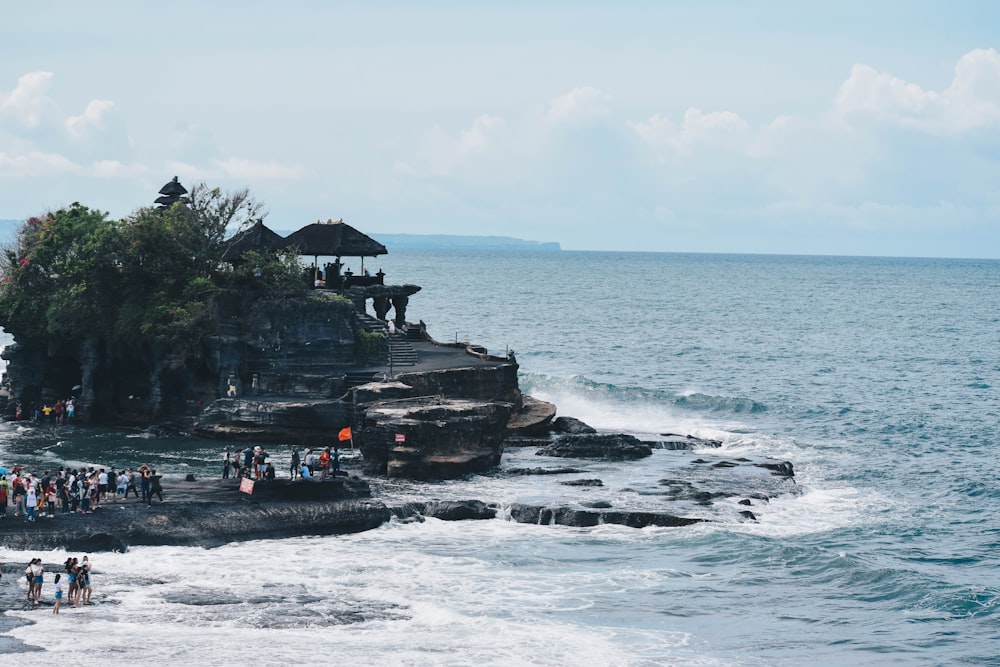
(606, 447)
(432, 438)
(208, 514)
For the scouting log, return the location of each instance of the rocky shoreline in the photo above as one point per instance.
(214, 512)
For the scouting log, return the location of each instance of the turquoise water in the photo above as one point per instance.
(876, 377)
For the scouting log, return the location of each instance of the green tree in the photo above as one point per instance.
(60, 277)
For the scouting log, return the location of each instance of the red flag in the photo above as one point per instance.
(345, 434)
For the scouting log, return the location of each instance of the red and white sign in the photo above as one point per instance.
(246, 485)
(400, 437)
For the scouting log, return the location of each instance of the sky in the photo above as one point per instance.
(852, 128)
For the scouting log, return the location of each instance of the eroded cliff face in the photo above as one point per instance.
(299, 347)
(296, 372)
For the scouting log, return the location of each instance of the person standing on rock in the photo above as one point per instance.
(4, 487)
(122, 481)
(226, 462)
(30, 500)
(154, 489)
(144, 473)
(18, 491)
(296, 463)
(131, 484)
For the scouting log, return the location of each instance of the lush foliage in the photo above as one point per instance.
(151, 277)
(370, 343)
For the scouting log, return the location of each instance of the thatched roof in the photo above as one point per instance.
(333, 239)
(258, 238)
(173, 188)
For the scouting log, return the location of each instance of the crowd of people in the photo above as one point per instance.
(254, 464)
(71, 490)
(78, 589)
(60, 412)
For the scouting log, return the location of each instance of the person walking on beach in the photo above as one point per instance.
(59, 592)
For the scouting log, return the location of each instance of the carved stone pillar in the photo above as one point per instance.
(399, 305)
(381, 305)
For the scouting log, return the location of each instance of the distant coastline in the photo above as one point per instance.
(457, 241)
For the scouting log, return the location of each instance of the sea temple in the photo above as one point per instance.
(296, 366)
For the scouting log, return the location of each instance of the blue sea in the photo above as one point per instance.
(876, 377)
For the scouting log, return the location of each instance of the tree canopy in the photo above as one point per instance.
(152, 277)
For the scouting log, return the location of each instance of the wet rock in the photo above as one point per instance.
(583, 482)
(432, 438)
(597, 504)
(674, 441)
(782, 469)
(570, 425)
(604, 447)
(202, 515)
(568, 516)
(458, 510)
(532, 419)
(543, 471)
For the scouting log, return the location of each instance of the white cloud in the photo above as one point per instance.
(443, 154)
(720, 129)
(93, 117)
(579, 107)
(28, 102)
(971, 101)
(35, 163)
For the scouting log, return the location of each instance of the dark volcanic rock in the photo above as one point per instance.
(783, 469)
(604, 447)
(532, 419)
(571, 425)
(205, 515)
(583, 482)
(543, 471)
(597, 504)
(567, 516)
(680, 489)
(432, 438)
(683, 442)
(448, 510)
(291, 421)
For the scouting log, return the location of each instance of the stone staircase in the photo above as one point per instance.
(400, 352)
